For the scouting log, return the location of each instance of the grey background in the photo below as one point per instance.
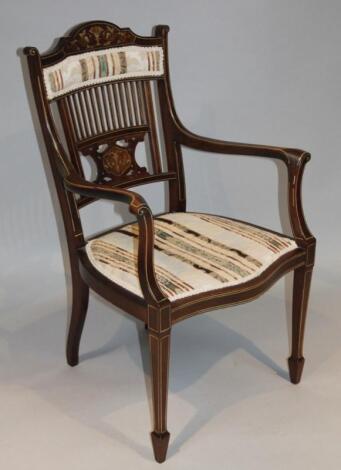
(264, 71)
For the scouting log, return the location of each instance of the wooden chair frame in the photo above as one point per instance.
(155, 310)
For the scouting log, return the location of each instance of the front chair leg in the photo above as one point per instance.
(302, 280)
(80, 301)
(160, 350)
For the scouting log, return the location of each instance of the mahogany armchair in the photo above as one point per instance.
(161, 269)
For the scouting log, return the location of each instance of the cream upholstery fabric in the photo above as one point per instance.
(193, 253)
(90, 68)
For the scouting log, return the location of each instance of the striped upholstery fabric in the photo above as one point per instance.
(90, 68)
(193, 253)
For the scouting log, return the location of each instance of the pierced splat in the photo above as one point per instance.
(115, 160)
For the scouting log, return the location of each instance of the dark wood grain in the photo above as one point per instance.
(124, 111)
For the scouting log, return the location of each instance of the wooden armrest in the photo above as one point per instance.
(294, 159)
(288, 155)
(138, 206)
(86, 188)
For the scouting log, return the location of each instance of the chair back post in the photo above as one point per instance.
(59, 164)
(177, 188)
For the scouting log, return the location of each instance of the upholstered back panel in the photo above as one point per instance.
(91, 68)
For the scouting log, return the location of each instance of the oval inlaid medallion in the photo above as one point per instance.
(117, 161)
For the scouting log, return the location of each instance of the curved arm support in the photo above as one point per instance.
(137, 206)
(294, 159)
(301, 232)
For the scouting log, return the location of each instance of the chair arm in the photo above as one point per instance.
(139, 207)
(294, 159)
(86, 188)
(189, 139)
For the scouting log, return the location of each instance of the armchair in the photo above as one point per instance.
(160, 269)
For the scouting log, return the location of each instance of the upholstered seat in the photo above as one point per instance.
(193, 252)
(105, 85)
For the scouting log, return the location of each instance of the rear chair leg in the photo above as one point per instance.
(302, 279)
(160, 350)
(80, 300)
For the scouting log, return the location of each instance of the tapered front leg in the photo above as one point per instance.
(80, 300)
(302, 280)
(159, 343)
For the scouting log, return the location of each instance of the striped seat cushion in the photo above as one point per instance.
(193, 253)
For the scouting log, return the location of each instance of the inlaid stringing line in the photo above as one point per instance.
(152, 137)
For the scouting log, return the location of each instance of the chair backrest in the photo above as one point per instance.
(99, 78)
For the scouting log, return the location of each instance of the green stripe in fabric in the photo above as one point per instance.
(163, 244)
(103, 65)
(216, 262)
(213, 245)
